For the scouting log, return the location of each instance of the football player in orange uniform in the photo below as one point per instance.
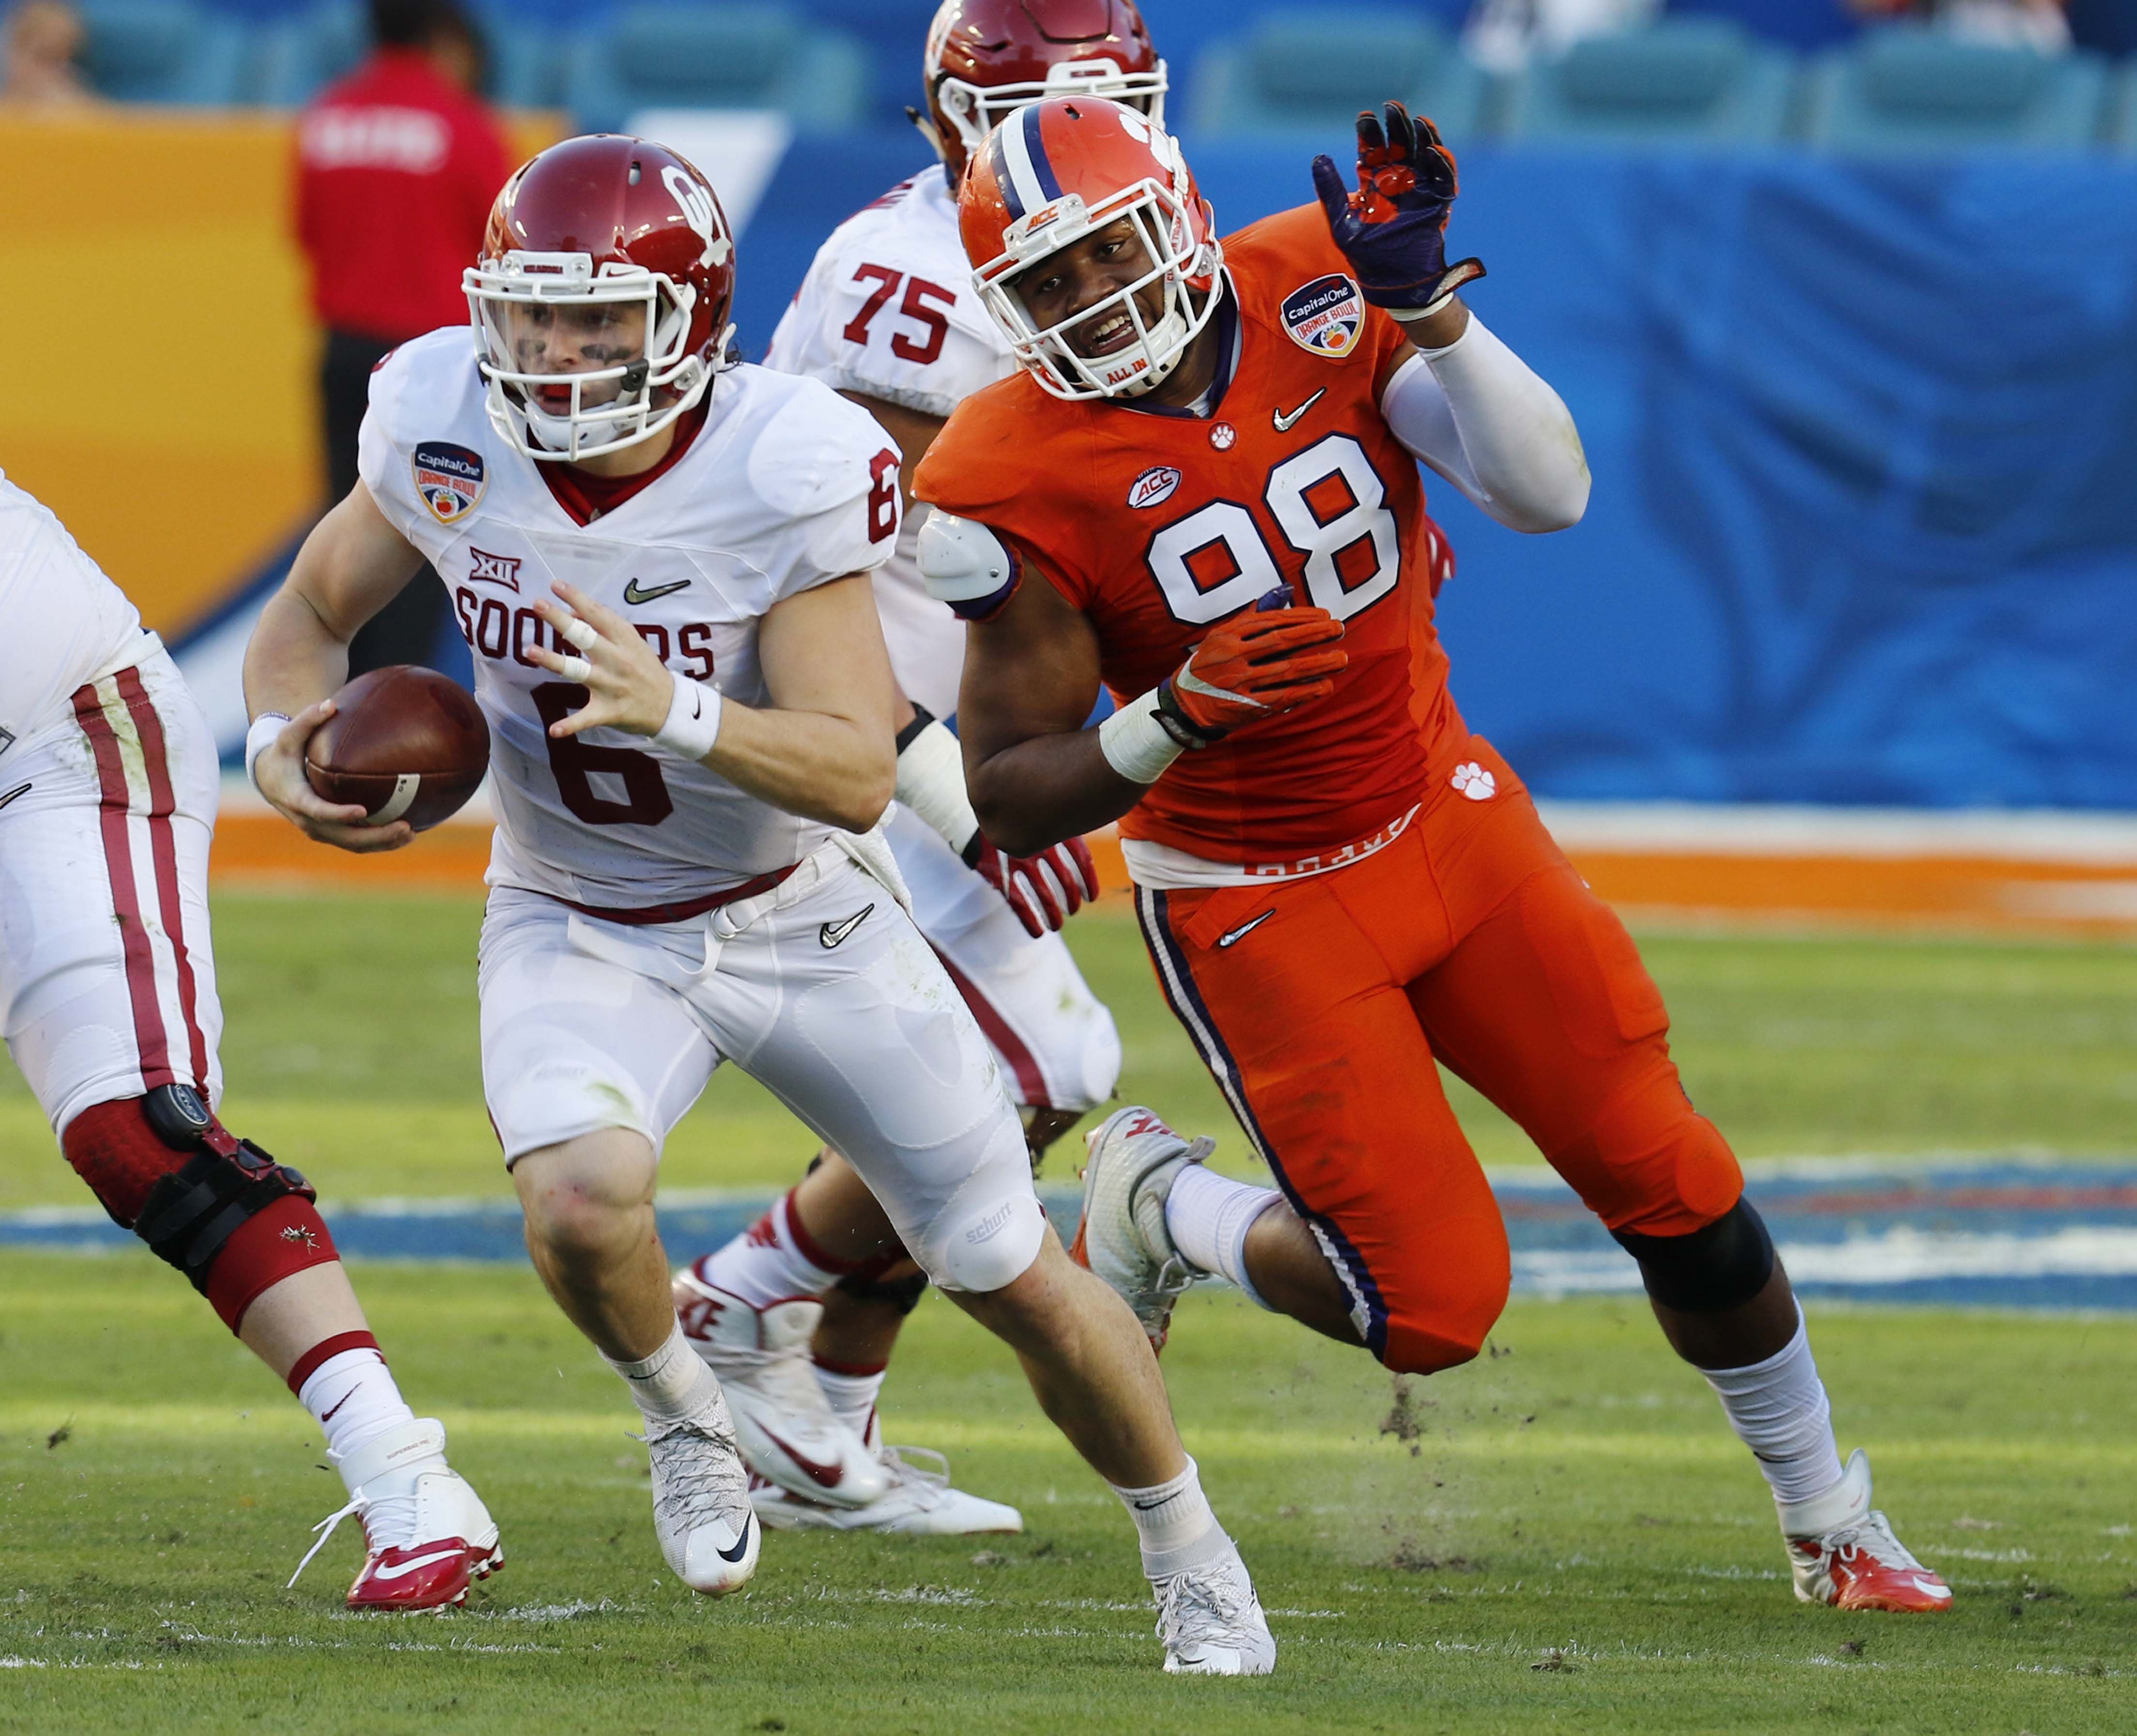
(1202, 490)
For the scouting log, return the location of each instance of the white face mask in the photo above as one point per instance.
(975, 110)
(1152, 349)
(580, 363)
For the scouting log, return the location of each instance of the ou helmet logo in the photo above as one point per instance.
(694, 200)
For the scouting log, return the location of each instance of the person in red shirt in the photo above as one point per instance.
(398, 166)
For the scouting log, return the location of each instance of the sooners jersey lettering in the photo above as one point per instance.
(787, 486)
(1157, 527)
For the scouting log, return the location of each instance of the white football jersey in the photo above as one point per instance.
(62, 622)
(889, 310)
(787, 486)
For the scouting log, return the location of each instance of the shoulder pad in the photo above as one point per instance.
(966, 565)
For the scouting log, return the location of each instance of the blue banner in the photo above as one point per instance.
(1864, 439)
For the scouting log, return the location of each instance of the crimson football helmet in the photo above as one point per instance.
(600, 299)
(1055, 172)
(986, 58)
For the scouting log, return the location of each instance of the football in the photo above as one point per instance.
(404, 743)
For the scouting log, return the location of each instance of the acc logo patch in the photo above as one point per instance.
(1326, 316)
(449, 478)
(1153, 485)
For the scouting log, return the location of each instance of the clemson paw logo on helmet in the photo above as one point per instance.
(1476, 783)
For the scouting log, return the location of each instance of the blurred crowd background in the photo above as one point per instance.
(1858, 73)
(1843, 294)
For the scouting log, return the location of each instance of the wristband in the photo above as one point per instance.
(693, 719)
(1135, 742)
(258, 738)
(930, 780)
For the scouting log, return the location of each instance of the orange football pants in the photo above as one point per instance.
(1320, 1004)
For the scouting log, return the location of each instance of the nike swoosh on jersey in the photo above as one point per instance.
(19, 790)
(1285, 424)
(742, 1543)
(402, 1569)
(832, 933)
(634, 593)
(826, 1476)
(1244, 929)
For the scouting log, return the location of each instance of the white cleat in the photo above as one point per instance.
(787, 1432)
(701, 1509)
(427, 1532)
(1211, 1622)
(920, 1501)
(1123, 1238)
(1843, 1553)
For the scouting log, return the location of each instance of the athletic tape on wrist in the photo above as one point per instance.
(693, 719)
(931, 781)
(1410, 316)
(259, 737)
(1136, 744)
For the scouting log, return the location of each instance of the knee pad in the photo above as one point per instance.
(869, 1284)
(163, 1167)
(992, 1252)
(1719, 1267)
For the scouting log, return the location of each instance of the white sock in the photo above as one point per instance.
(851, 1395)
(671, 1382)
(766, 1263)
(1174, 1523)
(1780, 1410)
(1209, 1216)
(353, 1398)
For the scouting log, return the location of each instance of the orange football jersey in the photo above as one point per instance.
(1157, 525)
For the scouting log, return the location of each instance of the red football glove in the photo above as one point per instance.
(1270, 660)
(1045, 890)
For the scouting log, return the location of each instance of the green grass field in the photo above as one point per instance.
(1561, 1536)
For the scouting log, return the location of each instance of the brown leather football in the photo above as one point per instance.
(404, 743)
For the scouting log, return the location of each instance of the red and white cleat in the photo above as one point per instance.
(427, 1532)
(1845, 1555)
(787, 1432)
(920, 1502)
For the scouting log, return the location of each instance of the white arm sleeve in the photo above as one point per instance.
(1480, 417)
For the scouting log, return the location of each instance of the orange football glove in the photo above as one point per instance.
(1270, 660)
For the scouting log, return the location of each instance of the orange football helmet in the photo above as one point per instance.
(1058, 171)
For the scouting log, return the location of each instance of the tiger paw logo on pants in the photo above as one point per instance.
(1476, 783)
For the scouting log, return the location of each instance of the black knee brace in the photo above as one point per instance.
(903, 1294)
(1720, 1267)
(192, 1212)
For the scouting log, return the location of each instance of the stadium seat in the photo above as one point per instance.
(715, 58)
(1910, 89)
(1302, 71)
(299, 57)
(1690, 81)
(163, 51)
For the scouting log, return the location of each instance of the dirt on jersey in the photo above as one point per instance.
(1158, 526)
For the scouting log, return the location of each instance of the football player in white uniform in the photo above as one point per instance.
(108, 787)
(661, 561)
(887, 315)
